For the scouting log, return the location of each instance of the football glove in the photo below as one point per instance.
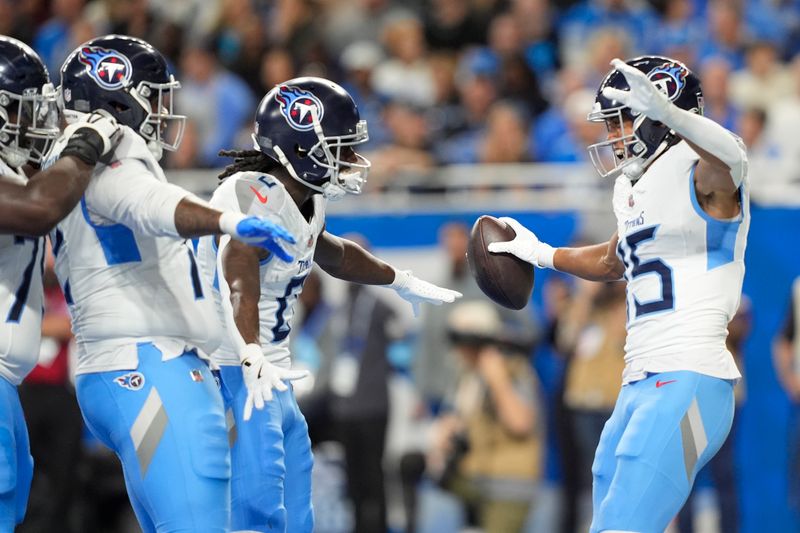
(92, 137)
(643, 97)
(261, 376)
(526, 245)
(257, 231)
(417, 291)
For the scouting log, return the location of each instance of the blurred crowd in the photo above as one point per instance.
(444, 81)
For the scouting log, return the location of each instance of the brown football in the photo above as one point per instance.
(504, 278)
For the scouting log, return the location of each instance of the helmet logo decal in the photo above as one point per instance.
(108, 68)
(298, 107)
(669, 79)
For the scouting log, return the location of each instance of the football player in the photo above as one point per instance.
(681, 199)
(142, 316)
(29, 208)
(305, 133)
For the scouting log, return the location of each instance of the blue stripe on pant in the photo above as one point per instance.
(271, 459)
(663, 430)
(166, 423)
(16, 465)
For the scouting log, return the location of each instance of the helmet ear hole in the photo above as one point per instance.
(300, 151)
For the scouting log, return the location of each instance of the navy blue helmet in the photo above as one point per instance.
(641, 139)
(310, 126)
(131, 80)
(28, 106)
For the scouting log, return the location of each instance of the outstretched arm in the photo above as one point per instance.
(598, 262)
(33, 208)
(347, 260)
(128, 193)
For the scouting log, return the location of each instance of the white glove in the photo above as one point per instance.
(102, 123)
(526, 245)
(417, 291)
(643, 97)
(261, 376)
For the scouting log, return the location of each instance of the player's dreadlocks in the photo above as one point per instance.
(246, 160)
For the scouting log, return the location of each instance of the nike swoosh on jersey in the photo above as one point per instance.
(261, 198)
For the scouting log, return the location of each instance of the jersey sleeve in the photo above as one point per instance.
(127, 193)
(256, 195)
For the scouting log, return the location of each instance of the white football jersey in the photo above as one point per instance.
(684, 270)
(21, 263)
(127, 275)
(260, 194)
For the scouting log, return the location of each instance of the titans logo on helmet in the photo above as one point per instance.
(669, 79)
(298, 107)
(130, 381)
(108, 68)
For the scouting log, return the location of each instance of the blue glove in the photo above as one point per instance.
(257, 231)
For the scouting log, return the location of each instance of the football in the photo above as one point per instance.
(504, 278)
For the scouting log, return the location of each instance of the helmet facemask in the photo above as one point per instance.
(162, 127)
(29, 125)
(346, 170)
(623, 153)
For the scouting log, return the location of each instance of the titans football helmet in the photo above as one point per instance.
(28, 110)
(310, 126)
(641, 139)
(131, 80)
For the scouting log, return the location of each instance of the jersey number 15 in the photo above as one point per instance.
(635, 267)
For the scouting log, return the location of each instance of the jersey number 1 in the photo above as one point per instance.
(634, 267)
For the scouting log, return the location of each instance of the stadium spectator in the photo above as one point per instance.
(54, 40)
(454, 24)
(218, 102)
(358, 61)
(763, 81)
(406, 153)
(715, 75)
(277, 66)
(725, 35)
(633, 19)
(506, 136)
(677, 30)
(406, 74)
(476, 80)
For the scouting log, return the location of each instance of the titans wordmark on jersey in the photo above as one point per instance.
(684, 270)
(259, 194)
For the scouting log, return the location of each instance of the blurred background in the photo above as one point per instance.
(470, 417)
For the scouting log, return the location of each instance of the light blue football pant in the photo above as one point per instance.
(663, 430)
(169, 432)
(16, 466)
(271, 459)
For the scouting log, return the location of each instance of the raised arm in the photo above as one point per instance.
(347, 260)
(723, 160)
(598, 262)
(33, 208)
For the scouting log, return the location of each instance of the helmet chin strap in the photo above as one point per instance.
(634, 168)
(330, 191)
(14, 157)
